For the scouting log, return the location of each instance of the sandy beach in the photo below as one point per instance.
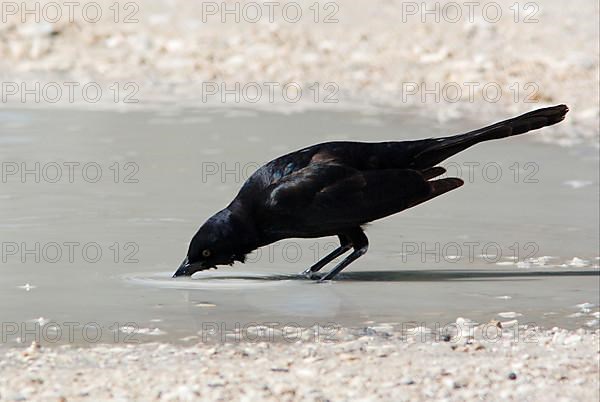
(550, 365)
(449, 62)
(167, 87)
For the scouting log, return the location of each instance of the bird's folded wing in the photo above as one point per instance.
(332, 194)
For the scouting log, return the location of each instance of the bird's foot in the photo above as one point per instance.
(313, 276)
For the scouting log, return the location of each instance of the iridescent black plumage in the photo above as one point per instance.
(334, 188)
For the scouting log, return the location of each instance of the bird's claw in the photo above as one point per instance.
(314, 276)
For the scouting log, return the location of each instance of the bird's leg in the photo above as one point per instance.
(344, 246)
(360, 243)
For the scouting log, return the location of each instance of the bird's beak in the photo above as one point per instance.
(184, 269)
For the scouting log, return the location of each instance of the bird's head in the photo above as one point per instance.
(221, 240)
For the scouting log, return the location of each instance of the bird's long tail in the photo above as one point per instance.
(445, 147)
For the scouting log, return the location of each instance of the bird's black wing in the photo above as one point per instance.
(323, 198)
(418, 154)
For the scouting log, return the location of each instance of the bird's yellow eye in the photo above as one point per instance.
(206, 253)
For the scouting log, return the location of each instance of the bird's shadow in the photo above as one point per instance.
(421, 276)
(454, 275)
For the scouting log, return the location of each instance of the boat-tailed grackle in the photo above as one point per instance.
(333, 188)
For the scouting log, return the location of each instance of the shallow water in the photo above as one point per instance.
(90, 257)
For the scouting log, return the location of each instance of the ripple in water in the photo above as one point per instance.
(214, 280)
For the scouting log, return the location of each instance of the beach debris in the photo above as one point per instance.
(577, 262)
(205, 305)
(407, 381)
(130, 329)
(41, 321)
(495, 323)
(510, 314)
(576, 184)
(509, 324)
(585, 305)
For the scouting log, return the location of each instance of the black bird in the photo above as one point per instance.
(334, 188)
